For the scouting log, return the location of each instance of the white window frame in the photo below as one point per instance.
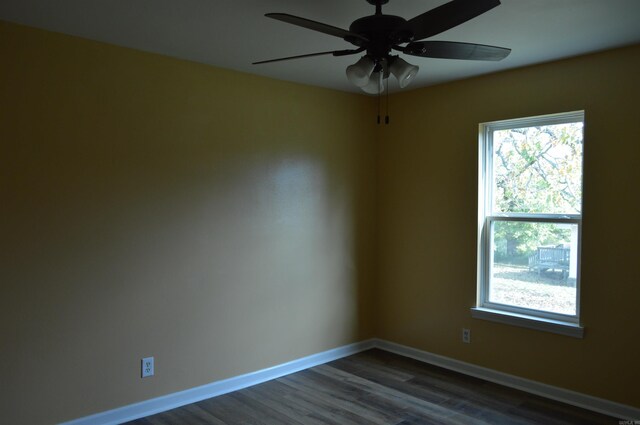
(513, 315)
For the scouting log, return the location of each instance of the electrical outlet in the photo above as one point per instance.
(466, 336)
(147, 366)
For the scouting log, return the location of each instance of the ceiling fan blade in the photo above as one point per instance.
(316, 26)
(456, 50)
(447, 16)
(308, 55)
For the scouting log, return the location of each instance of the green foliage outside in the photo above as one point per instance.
(535, 170)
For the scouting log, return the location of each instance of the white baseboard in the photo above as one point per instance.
(193, 395)
(595, 404)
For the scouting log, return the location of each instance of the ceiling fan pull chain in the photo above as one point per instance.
(379, 102)
(386, 118)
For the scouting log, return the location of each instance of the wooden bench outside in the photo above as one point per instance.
(554, 258)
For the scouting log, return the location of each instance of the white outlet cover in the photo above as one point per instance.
(147, 367)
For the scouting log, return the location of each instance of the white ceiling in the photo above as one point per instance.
(233, 33)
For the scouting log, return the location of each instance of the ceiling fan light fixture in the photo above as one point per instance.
(376, 84)
(359, 74)
(403, 71)
(380, 34)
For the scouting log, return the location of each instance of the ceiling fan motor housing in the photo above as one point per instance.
(379, 34)
(382, 31)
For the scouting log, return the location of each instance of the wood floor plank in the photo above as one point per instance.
(262, 411)
(305, 401)
(199, 416)
(286, 403)
(346, 397)
(379, 388)
(229, 409)
(409, 401)
(373, 374)
(456, 391)
(335, 409)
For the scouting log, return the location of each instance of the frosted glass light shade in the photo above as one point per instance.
(360, 72)
(376, 84)
(403, 71)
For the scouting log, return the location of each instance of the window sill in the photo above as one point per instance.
(546, 325)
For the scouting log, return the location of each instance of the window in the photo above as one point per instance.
(530, 222)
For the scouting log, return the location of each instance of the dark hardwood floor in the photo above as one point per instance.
(377, 387)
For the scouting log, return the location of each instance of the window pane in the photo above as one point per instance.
(538, 169)
(534, 265)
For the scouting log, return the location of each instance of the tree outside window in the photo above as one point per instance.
(531, 213)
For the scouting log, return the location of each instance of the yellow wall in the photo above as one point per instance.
(428, 207)
(224, 223)
(220, 222)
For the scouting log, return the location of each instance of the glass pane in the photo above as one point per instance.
(538, 169)
(534, 265)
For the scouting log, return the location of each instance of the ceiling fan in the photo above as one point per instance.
(379, 34)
